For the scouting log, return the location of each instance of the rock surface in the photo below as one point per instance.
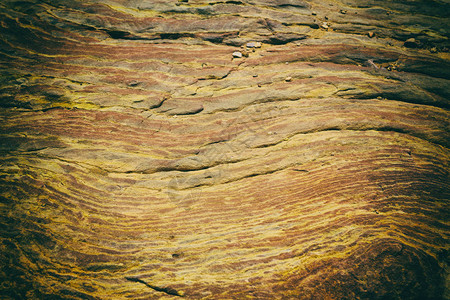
(141, 161)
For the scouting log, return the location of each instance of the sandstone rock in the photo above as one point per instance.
(284, 38)
(148, 102)
(140, 161)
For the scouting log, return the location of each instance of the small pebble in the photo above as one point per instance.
(343, 11)
(324, 25)
(288, 79)
(255, 75)
(371, 34)
(433, 50)
(314, 13)
(253, 45)
(237, 54)
(134, 83)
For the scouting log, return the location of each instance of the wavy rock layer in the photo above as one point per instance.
(142, 160)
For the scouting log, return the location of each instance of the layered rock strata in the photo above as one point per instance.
(141, 159)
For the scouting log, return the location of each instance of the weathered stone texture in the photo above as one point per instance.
(141, 160)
